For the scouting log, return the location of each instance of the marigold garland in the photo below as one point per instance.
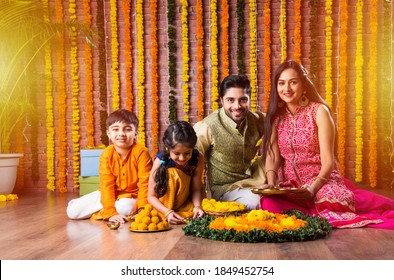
(372, 68)
(171, 31)
(267, 53)
(185, 60)
(50, 149)
(297, 30)
(75, 95)
(240, 37)
(253, 53)
(114, 55)
(359, 92)
(282, 31)
(128, 55)
(102, 72)
(260, 226)
(141, 70)
(342, 86)
(328, 79)
(61, 104)
(200, 59)
(214, 56)
(155, 77)
(89, 77)
(225, 38)
(313, 54)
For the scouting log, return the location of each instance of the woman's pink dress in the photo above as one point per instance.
(338, 200)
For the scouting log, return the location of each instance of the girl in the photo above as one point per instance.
(175, 185)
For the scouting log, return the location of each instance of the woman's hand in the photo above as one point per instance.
(197, 212)
(266, 186)
(174, 219)
(118, 219)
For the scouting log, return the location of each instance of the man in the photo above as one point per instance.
(230, 138)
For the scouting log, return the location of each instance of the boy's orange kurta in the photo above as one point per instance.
(126, 178)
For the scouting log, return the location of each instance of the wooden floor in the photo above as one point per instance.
(35, 227)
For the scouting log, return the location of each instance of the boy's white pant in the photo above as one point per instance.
(84, 206)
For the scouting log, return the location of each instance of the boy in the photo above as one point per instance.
(124, 172)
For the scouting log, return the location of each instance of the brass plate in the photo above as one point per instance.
(149, 231)
(276, 191)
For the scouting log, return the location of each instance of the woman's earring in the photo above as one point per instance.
(281, 104)
(304, 100)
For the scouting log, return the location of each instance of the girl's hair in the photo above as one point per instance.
(124, 116)
(274, 110)
(235, 81)
(179, 132)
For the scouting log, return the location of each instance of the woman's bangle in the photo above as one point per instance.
(322, 178)
(169, 212)
(271, 170)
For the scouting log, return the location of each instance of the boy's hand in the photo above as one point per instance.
(118, 219)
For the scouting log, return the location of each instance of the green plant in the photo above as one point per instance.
(24, 35)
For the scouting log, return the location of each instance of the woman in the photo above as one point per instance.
(300, 152)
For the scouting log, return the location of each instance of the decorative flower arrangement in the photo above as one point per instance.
(329, 24)
(225, 38)
(8, 197)
(141, 71)
(211, 205)
(267, 53)
(75, 96)
(214, 56)
(171, 31)
(128, 56)
(359, 92)
(62, 105)
(185, 59)
(49, 122)
(154, 77)
(282, 31)
(253, 53)
(373, 158)
(342, 87)
(114, 55)
(297, 30)
(313, 55)
(200, 59)
(260, 226)
(87, 16)
(240, 36)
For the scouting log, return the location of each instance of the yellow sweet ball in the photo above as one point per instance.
(152, 226)
(161, 226)
(144, 213)
(154, 213)
(142, 226)
(148, 207)
(134, 226)
(138, 218)
(146, 220)
(155, 220)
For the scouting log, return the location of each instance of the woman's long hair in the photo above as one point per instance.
(179, 132)
(274, 110)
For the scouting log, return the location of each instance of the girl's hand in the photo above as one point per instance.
(118, 219)
(174, 219)
(197, 212)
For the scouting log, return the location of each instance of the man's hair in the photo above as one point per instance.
(235, 81)
(122, 115)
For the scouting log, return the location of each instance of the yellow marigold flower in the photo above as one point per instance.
(3, 198)
(11, 197)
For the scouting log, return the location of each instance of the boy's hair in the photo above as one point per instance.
(235, 81)
(124, 116)
(179, 132)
